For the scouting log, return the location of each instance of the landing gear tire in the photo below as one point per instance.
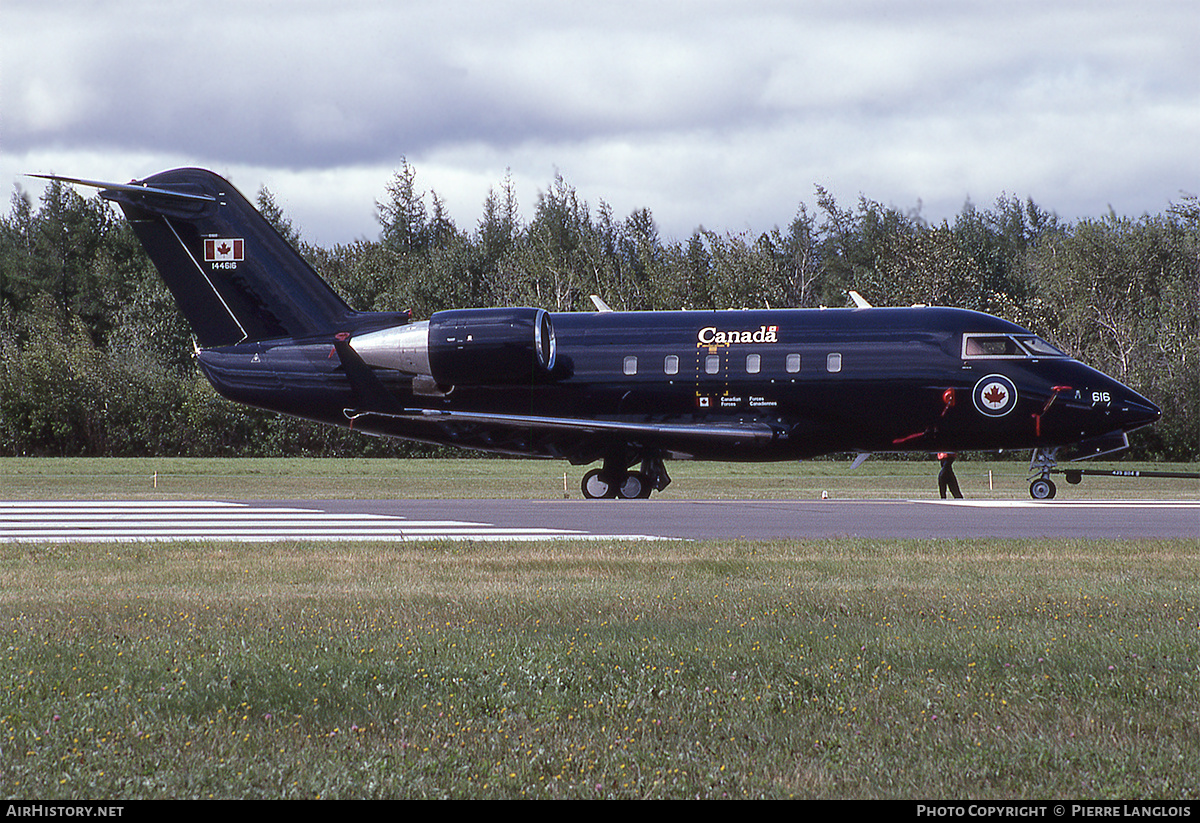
(1042, 489)
(635, 486)
(617, 478)
(596, 487)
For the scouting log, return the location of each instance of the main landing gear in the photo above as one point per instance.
(615, 480)
(1043, 462)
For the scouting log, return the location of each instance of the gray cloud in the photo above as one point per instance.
(704, 112)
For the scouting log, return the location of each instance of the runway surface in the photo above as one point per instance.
(417, 520)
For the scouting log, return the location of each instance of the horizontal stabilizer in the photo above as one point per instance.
(130, 188)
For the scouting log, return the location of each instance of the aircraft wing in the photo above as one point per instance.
(559, 436)
(733, 433)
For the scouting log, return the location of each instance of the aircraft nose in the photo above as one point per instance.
(1128, 409)
(1136, 411)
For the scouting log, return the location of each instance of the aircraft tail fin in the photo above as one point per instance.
(233, 276)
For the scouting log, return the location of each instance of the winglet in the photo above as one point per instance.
(599, 304)
(859, 302)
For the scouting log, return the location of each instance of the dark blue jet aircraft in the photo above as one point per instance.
(628, 389)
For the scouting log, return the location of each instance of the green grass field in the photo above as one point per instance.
(847, 668)
(280, 479)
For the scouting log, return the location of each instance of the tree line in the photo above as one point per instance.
(96, 360)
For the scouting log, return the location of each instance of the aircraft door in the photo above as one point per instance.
(712, 376)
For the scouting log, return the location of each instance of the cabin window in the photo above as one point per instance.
(671, 364)
(833, 363)
(753, 363)
(793, 363)
(631, 365)
(712, 364)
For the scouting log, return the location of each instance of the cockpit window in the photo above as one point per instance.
(1040, 347)
(1006, 346)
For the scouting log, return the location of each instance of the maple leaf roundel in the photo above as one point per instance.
(995, 395)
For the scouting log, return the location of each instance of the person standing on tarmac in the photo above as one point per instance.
(946, 478)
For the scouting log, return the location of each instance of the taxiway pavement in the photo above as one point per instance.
(785, 519)
(409, 520)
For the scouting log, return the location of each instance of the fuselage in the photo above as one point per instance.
(822, 381)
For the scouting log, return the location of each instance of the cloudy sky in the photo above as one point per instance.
(722, 114)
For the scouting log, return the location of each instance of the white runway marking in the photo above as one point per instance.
(109, 521)
(1072, 504)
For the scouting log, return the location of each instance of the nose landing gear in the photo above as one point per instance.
(1041, 465)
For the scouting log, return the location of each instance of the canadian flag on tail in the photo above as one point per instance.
(224, 250)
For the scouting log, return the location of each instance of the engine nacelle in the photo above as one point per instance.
(467, 347)
(480, 347)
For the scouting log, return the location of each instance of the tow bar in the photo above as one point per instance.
(1076, 475)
